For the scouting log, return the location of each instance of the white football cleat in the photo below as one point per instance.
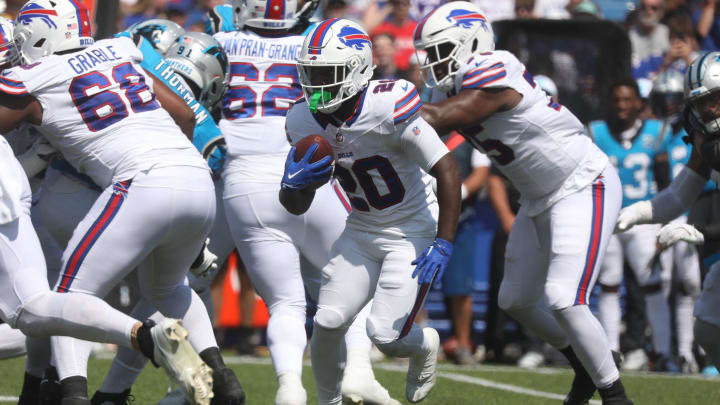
(422, 372)
(173, 352)
(290, 390)
(359, 386)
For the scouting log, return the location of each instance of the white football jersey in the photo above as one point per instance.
(12, 184)
(263, 85)
(539, 145)
(382, 155)
(100, 112)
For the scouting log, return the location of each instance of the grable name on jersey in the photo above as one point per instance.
(165, 71)
(260, 49)
(87, 60)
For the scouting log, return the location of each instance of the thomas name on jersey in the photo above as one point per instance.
(260, 49)
(87, 60)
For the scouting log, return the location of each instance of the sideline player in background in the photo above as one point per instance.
(570, 195)
(384, 154)
(145, 165)
(637, 149)
(701, 116)
(263, 85)
(683, 264)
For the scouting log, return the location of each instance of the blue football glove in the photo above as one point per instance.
(303, 174)
(432, 262)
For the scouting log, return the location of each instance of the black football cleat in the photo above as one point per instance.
(107, 398)
(30, 393)
(226, 388)
(615, 394)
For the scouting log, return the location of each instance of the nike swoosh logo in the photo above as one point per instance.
(478, 64)
(291, 175)
(405, 87)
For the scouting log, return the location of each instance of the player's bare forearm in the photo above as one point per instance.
(477, 179)
(447, 173)
(296, 202)
(176, 106)
(469, 108)
(17, 109)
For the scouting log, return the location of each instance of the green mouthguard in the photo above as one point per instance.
(315, 99)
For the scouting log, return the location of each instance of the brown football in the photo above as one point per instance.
(324, 148)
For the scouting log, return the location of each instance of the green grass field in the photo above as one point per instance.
(483, 385)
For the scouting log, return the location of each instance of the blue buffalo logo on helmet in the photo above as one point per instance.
(32, 11)
(466, 18)
(353, 37)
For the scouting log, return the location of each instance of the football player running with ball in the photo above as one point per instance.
(384, 151)
(570, 194)
(702, 122)
(263, 84)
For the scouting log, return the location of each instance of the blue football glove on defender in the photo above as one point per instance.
(303, 174)
(432, 262)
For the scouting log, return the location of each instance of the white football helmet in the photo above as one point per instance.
(201, 61)
(335, 63)
(450, 35)
(8, 52)
(267, 14)
(666, 96)
(45, 27)
(161, 33)
(702, 92)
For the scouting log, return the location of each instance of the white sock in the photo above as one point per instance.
(75, 314)
(609, 317)
(328, 358)
(540, 320)
(124, 370)
(356, 337)
(71, 356)
(684, 320)
(286, 340)
(12, 342)
(658, 313)
(414, 344)
(589, 342)
(196, 321)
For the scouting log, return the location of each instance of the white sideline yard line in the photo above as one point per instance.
(485, 383)
(5, 398)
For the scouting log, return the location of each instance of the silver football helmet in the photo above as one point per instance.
(161, 33)
(666, 96)
(702, 92)
(201, 61)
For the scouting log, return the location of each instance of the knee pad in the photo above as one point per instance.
(331, 319)
(37, 314)
(559, 296)
(381, 333)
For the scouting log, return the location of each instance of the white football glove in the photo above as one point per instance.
(670, 234)
(206, 263)
(635, 214)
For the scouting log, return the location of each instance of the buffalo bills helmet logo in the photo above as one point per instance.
(32, 11)
(353, 37)
(466, 18)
